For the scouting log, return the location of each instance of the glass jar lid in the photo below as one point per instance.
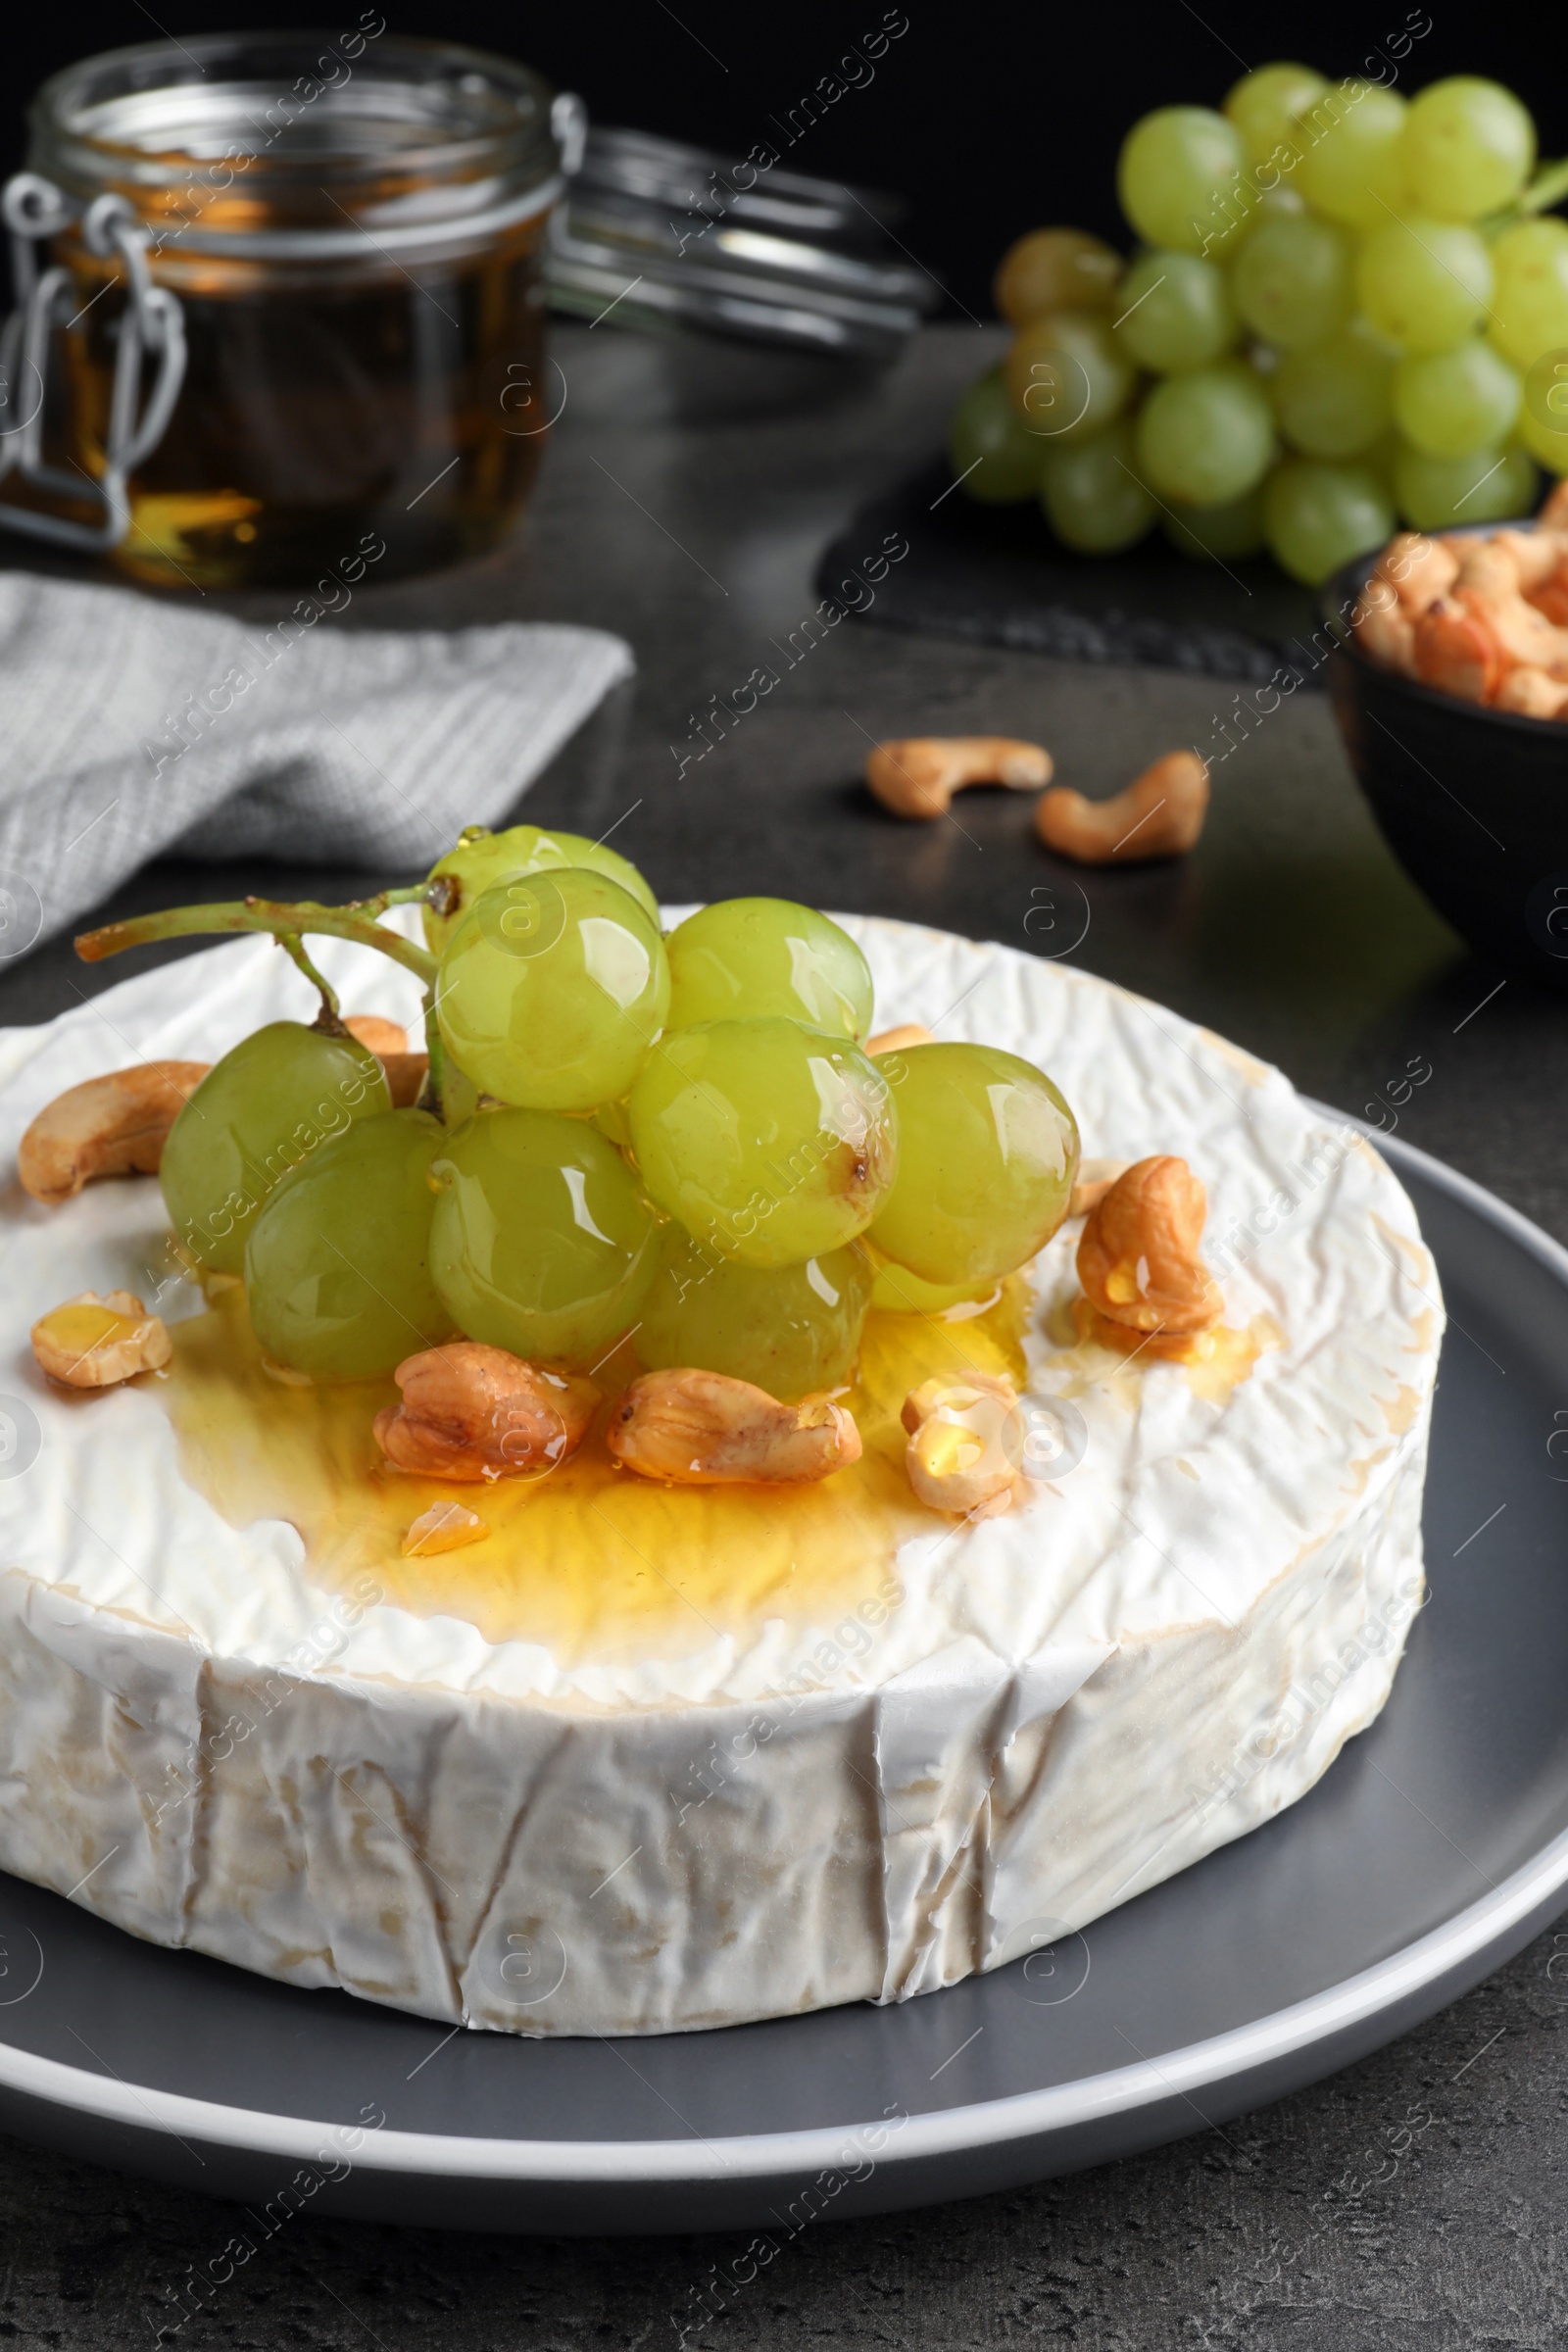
(660, 237)
(265, 143)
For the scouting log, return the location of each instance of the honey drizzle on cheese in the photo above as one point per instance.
(591, 1562)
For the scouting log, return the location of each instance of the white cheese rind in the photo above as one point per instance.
(1045, 1713)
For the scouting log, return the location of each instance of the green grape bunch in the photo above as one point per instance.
(1346, 308)
(630, 1147)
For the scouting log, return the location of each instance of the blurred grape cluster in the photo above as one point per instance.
(1344, 308)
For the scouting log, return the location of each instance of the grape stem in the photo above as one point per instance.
(331, 1016)
(1548, 188)
(358, 921)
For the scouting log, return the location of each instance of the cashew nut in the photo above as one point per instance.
(965, 1443)
(1159, 815)
(474, 1412)
(1532, 693)
(1093, 1181)
(702, 1429)
(918, 776)
(381, 1036)
(1484, 619)
(93, 1342)
(114, 1126)
(389, 1041)
(1138, 1256)
(444, 1527)
(899, 1037)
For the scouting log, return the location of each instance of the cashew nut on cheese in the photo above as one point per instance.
(112, 1126)
(702, 1429)
(476, 1413)
(389, 1041)
(93, 1342)
(966, 1447)
(1138, 1257)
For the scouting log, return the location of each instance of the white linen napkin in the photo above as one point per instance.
(130, 727)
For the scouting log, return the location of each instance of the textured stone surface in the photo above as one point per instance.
(1412, 2201)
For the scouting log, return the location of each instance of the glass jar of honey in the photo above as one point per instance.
(282, 299)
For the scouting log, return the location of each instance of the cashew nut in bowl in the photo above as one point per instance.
(1481, 617)
(919, 775)
(1159, 815)
(1138, 1257)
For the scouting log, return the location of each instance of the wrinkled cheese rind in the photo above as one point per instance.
(1046, 1712)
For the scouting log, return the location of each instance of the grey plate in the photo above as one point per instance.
(1433, 1849)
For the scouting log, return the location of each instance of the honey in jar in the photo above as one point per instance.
(353, 227)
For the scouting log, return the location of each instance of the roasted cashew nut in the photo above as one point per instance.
(474, 1412)
(112, 1126)
(966, 1444)
(93, 1342)
(1159, 815)
(1138, 1257)
(702, 1429)
(918, 776)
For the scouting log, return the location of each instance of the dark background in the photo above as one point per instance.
(988, 119)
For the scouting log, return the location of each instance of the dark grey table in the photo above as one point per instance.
(1412, 2201)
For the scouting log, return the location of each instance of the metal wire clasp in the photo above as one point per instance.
(152, 324)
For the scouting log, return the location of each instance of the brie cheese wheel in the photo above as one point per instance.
(650, 1758)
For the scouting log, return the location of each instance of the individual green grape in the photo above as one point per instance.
(460, 1096)
(1219, 534)
(1181, 179)
(552, 990)
(988, 1151)
(746, 960)
(482, 859)
(1292, 280)
(1450, 401)
(540, 1240)
(1055, 269)
(1530, 300)
(793, 1331)
(898, 1292)
(1468, 148)
(1265, 107)
(770, 1142)
(1546, 437)
(1351, 156)
(1207, 437)
(1176, 313)
(1318, 516)
(614, 1120)
(991, 449)
(1092, 498)
(1438, 494)
(1424, 283)
(1067, 375)
(1335, 400)
(337, 1274)
(280, 1093)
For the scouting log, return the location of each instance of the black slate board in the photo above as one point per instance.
(994, 575)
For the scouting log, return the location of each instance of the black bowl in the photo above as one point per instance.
(1473, 803)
